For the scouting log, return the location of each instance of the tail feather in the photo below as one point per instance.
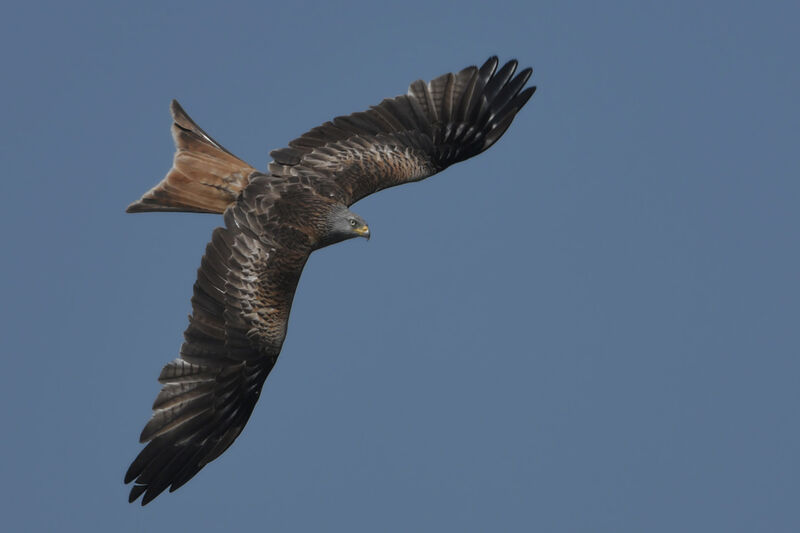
(204, 178)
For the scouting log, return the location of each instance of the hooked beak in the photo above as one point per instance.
(363, 231)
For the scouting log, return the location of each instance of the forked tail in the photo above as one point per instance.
(204, 178)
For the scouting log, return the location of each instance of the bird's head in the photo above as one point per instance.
(343, 224)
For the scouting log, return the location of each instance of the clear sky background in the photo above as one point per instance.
(591, 327)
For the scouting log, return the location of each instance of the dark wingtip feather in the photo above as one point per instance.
(522, 98)
(500, 79)
(489, 66)
(524, 75)
(499, 128)
(151, 493)
(136, 491)
(130, 475)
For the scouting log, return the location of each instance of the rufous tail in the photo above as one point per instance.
(204, 178)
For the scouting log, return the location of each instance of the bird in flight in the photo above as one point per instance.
(273, 221)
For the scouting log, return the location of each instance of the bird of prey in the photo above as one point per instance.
(273, 221)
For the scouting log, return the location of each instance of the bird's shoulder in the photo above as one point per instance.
(288, 211)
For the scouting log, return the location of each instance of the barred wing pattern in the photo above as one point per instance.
(413, 136)
(240, 309)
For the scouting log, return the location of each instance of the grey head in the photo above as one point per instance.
(342, 224)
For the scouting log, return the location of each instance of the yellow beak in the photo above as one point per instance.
(363, 231)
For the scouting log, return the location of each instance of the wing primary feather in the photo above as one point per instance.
(167, 420)
(136, 491)
(189, 469)
(467, 92)
(499, 80)
(510, 90)
(174, 394)
(488, 69)
(138, 464)
(498, 129)
(419, 90)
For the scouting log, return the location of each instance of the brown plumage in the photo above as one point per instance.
(249, 273)
(204, 178)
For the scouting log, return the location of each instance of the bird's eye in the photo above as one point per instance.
(353, 222)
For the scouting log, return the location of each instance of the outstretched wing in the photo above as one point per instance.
(240, 308)
(413, 136)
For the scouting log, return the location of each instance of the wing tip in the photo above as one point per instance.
(135, 492)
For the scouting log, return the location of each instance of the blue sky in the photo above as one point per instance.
(591, 327)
